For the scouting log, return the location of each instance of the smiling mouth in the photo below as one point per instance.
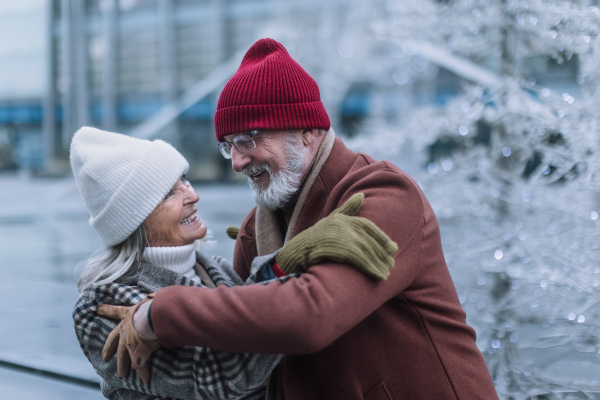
(256, 176)
(192, 218)
(256, 171)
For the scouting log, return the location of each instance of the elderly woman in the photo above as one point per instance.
(145, 212)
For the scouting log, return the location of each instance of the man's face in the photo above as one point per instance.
(274, 168)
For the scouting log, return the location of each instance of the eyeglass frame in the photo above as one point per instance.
(225, 147)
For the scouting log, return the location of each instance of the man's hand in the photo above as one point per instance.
(341, 237)
(127, 341)
(233, 232)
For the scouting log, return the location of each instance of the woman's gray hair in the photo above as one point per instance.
(110, 263)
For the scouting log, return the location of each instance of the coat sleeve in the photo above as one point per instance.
(175, 373)
(305, 313)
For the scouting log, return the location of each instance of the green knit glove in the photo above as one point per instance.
(341, 237)
(232, 232)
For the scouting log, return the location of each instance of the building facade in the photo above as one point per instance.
(154, 68)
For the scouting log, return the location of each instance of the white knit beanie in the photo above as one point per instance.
(122, 179)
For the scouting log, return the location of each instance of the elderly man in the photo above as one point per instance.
(344, 335)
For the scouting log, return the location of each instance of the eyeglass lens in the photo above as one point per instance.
(225, 149)
(244, 143)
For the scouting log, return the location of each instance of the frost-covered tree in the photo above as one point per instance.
(510, 162)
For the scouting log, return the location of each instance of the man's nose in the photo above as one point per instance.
(239, 160)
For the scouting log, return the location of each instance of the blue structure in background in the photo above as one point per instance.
(23, 113)
(25, 118)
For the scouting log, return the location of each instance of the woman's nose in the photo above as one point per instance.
(192, 197)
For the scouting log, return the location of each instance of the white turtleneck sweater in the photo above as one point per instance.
(179, 259)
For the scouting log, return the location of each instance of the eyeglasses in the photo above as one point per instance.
(243, 142)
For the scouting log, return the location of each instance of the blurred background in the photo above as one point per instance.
(491, 105)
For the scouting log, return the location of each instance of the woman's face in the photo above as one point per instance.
(175, 221)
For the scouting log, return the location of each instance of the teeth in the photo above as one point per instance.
(190, 219)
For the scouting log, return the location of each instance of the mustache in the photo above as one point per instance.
(256, 169)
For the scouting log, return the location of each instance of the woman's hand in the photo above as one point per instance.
(132, 339)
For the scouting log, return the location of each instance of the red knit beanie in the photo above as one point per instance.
(269, 91)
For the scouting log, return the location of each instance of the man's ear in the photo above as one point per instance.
(309, 136)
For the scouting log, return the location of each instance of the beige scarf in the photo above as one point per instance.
(268, 234)
(270, 238)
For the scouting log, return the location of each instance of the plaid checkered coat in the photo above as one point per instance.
(175, 373)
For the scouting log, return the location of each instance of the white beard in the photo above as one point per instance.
(284, 184)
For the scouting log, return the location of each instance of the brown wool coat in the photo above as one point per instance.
(346, 336)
